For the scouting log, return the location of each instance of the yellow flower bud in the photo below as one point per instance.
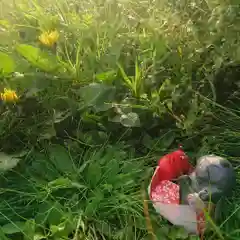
(9, 95)
(49, 38)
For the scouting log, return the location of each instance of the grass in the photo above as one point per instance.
(108, 88)
(97, 189)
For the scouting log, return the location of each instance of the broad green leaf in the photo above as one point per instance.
(61, 159)
(94, 173)
(29, 229)
(93, 202)
(115, 166)
(161, 47)
(14, 227)
(116, 119)
(61, 116)
(132, 167)
(98, 95)
(20, 154)
(162, 233)
(38, 58)
(63, 229)
(148, 141)
(130, 120)
(7, 162)
(178, 233)
(7, 64)
(164, 230)
(48, 132)
(218, 61)
(42, 164)
(64, 183)
(111, 170)
(60, 183)
(192, 115)
(166, 89)
(91, 208)
(94, 137)
(57, 228)
(31, 84)
(3, 236)
(106, 76)
(4, 23)
(39, 236)
(162, 143)
(49, 212)
(167, 139)
(194, 238)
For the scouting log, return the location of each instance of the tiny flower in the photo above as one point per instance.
(49, 38)
(8, 95)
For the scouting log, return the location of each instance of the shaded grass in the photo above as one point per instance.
(106, 196)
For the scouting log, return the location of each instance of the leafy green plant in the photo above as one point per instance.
(101, 188)
(38, 58)
(7, 64)
(136, 83)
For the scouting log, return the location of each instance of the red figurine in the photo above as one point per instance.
(171, 166)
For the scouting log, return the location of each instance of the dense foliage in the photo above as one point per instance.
(93, 93)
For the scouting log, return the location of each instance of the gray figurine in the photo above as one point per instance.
(212, 179)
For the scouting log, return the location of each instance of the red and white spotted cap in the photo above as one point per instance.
(165, 198)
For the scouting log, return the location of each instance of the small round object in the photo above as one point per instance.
(213, 178)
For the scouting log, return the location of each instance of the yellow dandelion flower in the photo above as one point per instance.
(9, 95)
(49, 38)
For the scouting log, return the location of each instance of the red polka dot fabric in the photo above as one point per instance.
(167, 192)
